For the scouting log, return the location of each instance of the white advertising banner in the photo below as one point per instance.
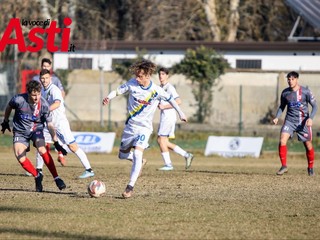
(234, 146)
(95, 141)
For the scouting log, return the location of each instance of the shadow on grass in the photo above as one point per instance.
(26, 233)
(43, 192)
(231, 173)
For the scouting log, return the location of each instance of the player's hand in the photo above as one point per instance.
(60, 148)
(161, 106)
(275, 121)
(5, 126)
(183, 118)
(105, 101)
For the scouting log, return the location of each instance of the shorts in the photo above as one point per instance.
(64, 133)
(167, 129)
(304, 132)
(135, 136)
(35, 137)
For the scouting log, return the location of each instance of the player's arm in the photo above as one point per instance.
(5, 124)
(55, 105)
(53, 134)
(169, 106)
(313, 103)
(280, 110)
(119, 91)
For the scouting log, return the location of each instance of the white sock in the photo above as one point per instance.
(126, 156)
(83, 158)
(180, 151)
(136, 167)
(166, 158)
(39, 161)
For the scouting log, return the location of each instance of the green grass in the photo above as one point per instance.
(197, 142)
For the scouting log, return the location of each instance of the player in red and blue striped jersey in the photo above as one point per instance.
(296, 98)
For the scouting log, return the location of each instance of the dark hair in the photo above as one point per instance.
(34, 86)
(163, 69)
(293, 74)
(47, 60)
(43, 72)
(147, 66)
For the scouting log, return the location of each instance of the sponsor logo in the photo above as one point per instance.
(234, 144)
(87, 139)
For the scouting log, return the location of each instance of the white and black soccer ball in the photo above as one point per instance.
(96, 188)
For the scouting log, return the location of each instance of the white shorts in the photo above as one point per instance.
(135, 136)
(167, 129)
(64, 132)
(47, 136)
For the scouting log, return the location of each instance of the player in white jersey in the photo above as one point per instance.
(59, 119)
(168, 119)
(144, 97)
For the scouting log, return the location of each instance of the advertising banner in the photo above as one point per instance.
(234, 146)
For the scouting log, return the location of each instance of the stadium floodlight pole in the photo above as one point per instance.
(101, 95)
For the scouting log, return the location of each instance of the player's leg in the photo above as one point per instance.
(284, 137)
(305, 135)
(39, 143)
(20, 151)
(65, 136)
(140, 142)
(163, 144)
(82, 156)
(164, 130)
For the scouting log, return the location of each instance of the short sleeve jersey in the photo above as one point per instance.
(142, 102)
(28, 117)
(54, 79)
(52, 93)
(297, 104)
(169, 114)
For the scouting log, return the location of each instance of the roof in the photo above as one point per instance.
(309, 10)
(183, 45)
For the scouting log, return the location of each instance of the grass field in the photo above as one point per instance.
(218, 198)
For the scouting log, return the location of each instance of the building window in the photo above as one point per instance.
(244, 63)
(80, 63)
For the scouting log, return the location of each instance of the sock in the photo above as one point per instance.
(83, 158)
(283, 155)
(27, 165)
(180, 151)
(126, 156)
(166, 158)
(136, 167)
(39, 161)
(48, 147)
(310, 157)
(50, 164)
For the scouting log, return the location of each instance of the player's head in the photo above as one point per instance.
(143, 71)
(46, 63)
(293, 74)
(292, 79)
(34, 91)
(163, 74)
(45, 77)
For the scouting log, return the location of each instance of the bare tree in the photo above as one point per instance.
(233, 20)
(211, 15)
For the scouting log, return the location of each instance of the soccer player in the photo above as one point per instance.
(168, 119)
(47, 64)
(144, 97)
(31, 112)
(296, 98)
(61, 124)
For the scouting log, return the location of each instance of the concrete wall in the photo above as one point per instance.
(260, 94)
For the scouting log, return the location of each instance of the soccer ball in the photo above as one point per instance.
(96, 188)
